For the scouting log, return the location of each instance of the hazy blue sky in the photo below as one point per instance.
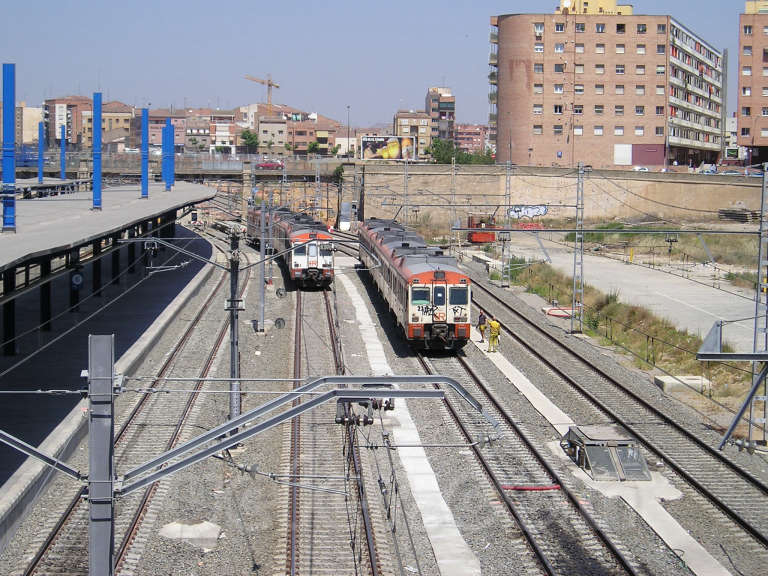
(374, 56)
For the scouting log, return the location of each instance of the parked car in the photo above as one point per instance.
(640, 169)
(730, 173)
(269, 165)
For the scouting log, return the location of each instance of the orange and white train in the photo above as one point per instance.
(306, 243)
(424, 288)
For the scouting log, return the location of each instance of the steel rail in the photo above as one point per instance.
(293, 512)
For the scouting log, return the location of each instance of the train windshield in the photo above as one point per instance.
(439, 296)
(300, 251)
(419, 296)
(458, 296)
(313, 250)
(326, 249)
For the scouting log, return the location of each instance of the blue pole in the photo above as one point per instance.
(9, 147)
(145, 153)
(97, 150)
(164, 144)
(172, 154)
(63, 153)
(168, 144)
(40, 151)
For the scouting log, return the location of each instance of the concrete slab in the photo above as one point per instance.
(201, 535)
(683, 382)
(453, 554)
(49, 225)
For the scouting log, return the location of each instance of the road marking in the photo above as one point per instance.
(708, 313)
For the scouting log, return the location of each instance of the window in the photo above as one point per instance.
(747, 30)
(600, 28)
(599, 88)
(619, 88)
(746, 70)
(538, 129)
(639, 131)
(557, 129)
(661, 28)
(765, 30)
(747, 50)
(458, 296)
(558, 88)
(619, 68)
(538, 28)
(745, 131)
(639, 110)
(659, 130)
(538, 68)
(598, 131)
(640, 49)
(765, 71)
(618, 110)
(620, 48)
(618, 130)
(558, 109)
(599, 109)
(640, 89)
(559, 68)
(559, 48)
(661, 48)
(538, 88)
(578, 130)
(599, 68)
(763, 132)
(578, 89)
(538, 108)
(621, 28)
(659, 89)
(640, 69)
(765, 91)
(746, 111)
(579, 68)
(580, 48)
(764, 111)
(659, 110)
(599, 48)
(559, 26)
(661, 69)
(538, 47)
(578, 109)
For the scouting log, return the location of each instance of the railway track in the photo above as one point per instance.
(144, 432)
(736, 492)
(543, 506)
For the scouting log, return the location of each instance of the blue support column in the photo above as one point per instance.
(40, 151)
(163, 153)
(145, 153)
(172, 155)
(63, 153)
(9, 147)
(97, 150)
(168, 153)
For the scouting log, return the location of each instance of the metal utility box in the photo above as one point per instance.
(606, 452)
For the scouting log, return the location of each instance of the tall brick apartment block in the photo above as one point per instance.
(603, 86)
(753, 82)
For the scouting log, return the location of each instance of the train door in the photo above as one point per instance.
(312, 255)
(439, 303)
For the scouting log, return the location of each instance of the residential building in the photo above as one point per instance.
(157, 121)
(19, 124)
(116, 119)
(608, 89)
(752, 106)
(67, 112)
(594, 7)
(315, 128)
(471, 137)
(417, 125)
(223, 131)
(273, 134)
(197, 137)
(732, 131)
(440, 104)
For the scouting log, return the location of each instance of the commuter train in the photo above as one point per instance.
(306, 243)
(423, 287)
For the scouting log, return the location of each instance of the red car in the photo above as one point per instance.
(270, 166)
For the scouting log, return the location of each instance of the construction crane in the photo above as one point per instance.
(269, 84)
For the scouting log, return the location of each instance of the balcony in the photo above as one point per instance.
(493, 78)
(492, 119)
(687, 142)
(494, 37)
(493, 97)
(493, 59)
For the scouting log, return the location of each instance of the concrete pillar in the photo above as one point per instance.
(115, 259)
(75, 279)
(96, 269)
(9, 313)
(45, 296)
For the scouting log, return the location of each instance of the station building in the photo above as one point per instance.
(598, 84)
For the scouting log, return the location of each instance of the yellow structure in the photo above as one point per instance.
(599, 7)
(756, 7)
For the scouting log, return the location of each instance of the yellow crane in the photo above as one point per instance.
(269, 84)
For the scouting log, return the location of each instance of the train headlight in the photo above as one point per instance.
(460, 319)
(414, 318)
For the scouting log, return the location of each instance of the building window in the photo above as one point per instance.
(559, 26)
(764, 132)
(579, 109)
(559, 48)
(659, 130)
(748, 30)
(619, 88)
(659, 89)
(745, 131)
(619, 68)
(639, 110)
(642, 28)
(557, 109)
(580, 27)
(599, 48)
(558, 88)
(559, 68)
(599, 109)
(640, 69)
(618, 130)
(578, 89)
(639, 131)
(538, 88)
(621, 28)
(661, 28)
(661, 69)
(598, 131)
(599, 68)
(619, 110)
(640, 89)
(580, 48)
(538, 68)
(538, 28)
(557, 129)
(538, 47)
(579, 68)
(765, 71)
(600, 28)
(659, 110)
(619, 48)
(661, 48)
(747, 50)
(599, 88)
(641, 48)
(746, 71)
(764, 111)
(746, 111)
(749, 91)
(578, 130)
(538, 129)
(538, 108)
(765, 30)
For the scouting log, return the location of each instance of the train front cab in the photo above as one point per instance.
(312, 264)
(438, 312)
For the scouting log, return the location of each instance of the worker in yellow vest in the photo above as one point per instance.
(494, 330)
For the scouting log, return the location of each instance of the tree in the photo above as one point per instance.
(313, 147)
(251, 140)
(442, 151)
(288, 147)
(338, 173)
(270, 143)
(335, 150)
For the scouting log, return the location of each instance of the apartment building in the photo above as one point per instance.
(595, 83)
(223, 131)
(471, 138)
(440, 104)
(273, 133)
(312, 128)
(197, 134)
(752, 107)
(67, 112)
(116, 120)
(417, 125)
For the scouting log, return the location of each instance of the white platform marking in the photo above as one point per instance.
(453, 554)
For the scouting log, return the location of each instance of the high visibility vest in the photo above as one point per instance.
(495, 327)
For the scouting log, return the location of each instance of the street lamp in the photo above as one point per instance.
(347, 131)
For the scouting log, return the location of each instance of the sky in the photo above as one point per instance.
(373, 56)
